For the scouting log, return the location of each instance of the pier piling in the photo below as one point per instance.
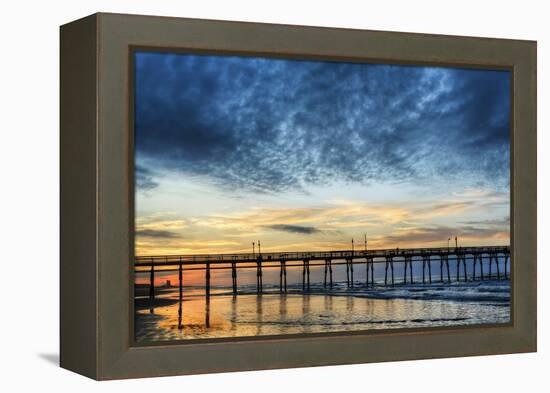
(441, 268)
(330, 271)
(284, 276)
(307, 273)
(303, 275)
(326, 272)
(367, 272)
(281, 277)
(444, 260)
(180, 285)
(259, 283)
(350, 261)
(410, 269)
(152, 289)
(207, 278)
(448, 270)
(405, 272)
(372, 272)
(347, 273)
(426, 262)
(234, 276)
(430, 269)
(505, 267)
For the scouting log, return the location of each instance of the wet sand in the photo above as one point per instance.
(339, 310)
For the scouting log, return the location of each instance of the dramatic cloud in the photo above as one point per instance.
(326, 219)
(144, 179)
(501, 222)
(332, 219)
(439, 234)
(274, 125)
(295, 229)
(157, 234)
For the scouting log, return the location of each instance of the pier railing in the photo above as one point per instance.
(190, 259)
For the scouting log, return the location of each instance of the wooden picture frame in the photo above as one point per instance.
(97, 196)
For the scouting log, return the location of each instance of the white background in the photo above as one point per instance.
(29, 194)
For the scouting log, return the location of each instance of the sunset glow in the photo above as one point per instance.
(249, 155)
(317, 168)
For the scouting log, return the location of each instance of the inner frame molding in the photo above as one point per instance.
(97, 195)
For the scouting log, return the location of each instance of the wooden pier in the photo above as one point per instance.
(385, 258)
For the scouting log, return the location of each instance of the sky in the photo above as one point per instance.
(308, 155)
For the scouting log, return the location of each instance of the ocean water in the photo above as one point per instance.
(320, 310)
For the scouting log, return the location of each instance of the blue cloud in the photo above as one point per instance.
(270, 125)
(145, 178)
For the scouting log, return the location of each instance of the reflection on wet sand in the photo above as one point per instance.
(226, 315)
(259, 315)
(233, 313)
(282, 308)
(306, 308)
(207, 312)
(349, 303)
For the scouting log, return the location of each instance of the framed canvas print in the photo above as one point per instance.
(240, 196)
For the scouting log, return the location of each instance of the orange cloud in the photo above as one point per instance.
(407, 224)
